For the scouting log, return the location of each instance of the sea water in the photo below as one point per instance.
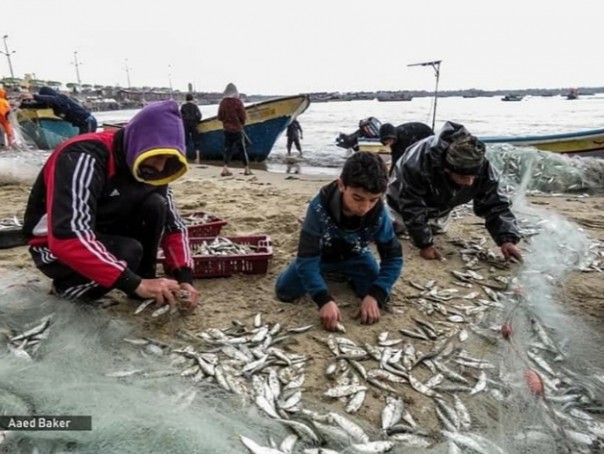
(484, 116)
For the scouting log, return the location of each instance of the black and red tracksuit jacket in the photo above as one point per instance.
(84, 185)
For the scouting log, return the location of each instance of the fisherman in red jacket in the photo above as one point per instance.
(101, 207)
(233, 116)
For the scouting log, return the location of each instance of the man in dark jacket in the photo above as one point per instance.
(442, 172)
(101, 207)
(402, 137)
(191, 116)
(341, 221)
(68, 109)
(294, 134)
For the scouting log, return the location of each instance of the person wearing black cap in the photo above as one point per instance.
(402, 137)
(439, 173)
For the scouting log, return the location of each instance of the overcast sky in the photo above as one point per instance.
(285, 47)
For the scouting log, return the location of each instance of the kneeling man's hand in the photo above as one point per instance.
(190, 303)
(430, 253)
(370, 311)
(330, 316)
(510, 250)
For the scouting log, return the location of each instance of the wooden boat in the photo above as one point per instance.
(588, 143)
(42, 129)
(266, 120)
(580, 143)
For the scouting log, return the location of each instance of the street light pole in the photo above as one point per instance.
(8, 54)
(127, 73)
(77, 67)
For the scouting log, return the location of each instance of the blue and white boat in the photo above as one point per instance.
(266, 121)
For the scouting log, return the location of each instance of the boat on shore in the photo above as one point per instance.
(42, 129)
(266, 121)
(589, 143)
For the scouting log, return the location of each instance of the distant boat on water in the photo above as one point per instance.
(512, 98)
(572, 94)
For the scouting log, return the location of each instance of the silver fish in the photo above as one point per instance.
(255, 448)
(392, 412)
(143, 305)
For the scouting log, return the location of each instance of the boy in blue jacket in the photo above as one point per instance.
(340, 222)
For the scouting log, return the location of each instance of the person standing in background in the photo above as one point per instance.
(5, 126)
(231, 113)
(294, 134)
(191, 116)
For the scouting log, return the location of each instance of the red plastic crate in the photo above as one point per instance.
(206, 266)
(211, 228)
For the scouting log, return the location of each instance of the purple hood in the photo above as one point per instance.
(156, 130)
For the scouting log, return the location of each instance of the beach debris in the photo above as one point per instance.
(534, 382)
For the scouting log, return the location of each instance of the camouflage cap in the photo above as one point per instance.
(465, 155)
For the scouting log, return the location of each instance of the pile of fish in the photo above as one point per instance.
(220, 246)
(10, 223)
(198, 218)
(24, 345)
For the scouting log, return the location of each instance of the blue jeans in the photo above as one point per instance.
(361, 271)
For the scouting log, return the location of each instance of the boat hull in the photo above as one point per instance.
(589, 143)
(43, 129)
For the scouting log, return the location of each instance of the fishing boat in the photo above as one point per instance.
(580, 143)
(42, 129)
(512, 97)
(266, 120)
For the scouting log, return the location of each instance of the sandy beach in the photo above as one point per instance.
(270, 203)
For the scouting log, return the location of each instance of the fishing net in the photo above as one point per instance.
(83, 366)
(504, 368)
(546, 172)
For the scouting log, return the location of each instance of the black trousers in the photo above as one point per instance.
(135, 240)
(191, 139)
(295, 140)
(233, 146)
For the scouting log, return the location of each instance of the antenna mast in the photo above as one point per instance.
(436, 66)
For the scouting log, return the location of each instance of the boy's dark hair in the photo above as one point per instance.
(367, 171)
(189, 97)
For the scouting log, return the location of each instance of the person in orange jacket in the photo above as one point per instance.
(4, 123)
